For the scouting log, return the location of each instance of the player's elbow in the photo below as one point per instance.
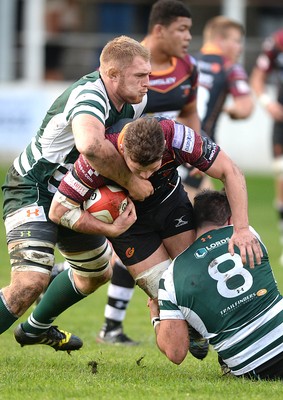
(176, 355)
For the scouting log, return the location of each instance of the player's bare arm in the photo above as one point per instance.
(90, 140)
(234, 182)
(172, 336)
(258, 82)
(241, 108)
(64, 211)
(189, 116)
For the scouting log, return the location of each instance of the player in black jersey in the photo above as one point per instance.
(164, 225)
(271, 60)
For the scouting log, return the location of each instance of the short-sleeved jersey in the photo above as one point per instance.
(218, 77)
(239, 309)
(183, 145)
(271, 58)
(52, 151)
(172, 89)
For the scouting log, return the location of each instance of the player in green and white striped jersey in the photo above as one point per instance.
(237, 308)
(74, 124)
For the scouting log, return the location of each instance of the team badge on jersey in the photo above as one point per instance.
(200, 253)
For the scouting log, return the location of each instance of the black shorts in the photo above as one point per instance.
(66, 239)
(142, 239)
(271, 370)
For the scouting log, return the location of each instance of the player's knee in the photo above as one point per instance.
(24, 289)
(149, 280)
(91, 268)
(89, 284)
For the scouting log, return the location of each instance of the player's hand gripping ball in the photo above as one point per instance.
(107, 203)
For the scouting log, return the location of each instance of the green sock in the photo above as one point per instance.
(59, 296)
(7, 319)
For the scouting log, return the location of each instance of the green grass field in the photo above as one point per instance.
(117, 372)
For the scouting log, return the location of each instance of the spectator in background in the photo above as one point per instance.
(271, 60)
(61, 16)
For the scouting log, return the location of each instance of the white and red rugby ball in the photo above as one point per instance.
(107, 203)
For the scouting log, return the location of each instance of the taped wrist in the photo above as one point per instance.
(72, 215)
(74, 189)
(155, 321)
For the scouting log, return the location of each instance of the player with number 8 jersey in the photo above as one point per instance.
(237, 308)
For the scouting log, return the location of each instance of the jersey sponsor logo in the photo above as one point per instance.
(210, 149)
(204, 239)
(236, 304)
(130, 252)
(25, 215)
(181, 221)
(76, 185)
(178, 135)
(186, 90)
(36, 212)
(188, 143)
(162, 81)
(217, 244)
(206, 80)
(25, 234)
(200, 253)
(209, 67)
(261, 292)
(203, 251)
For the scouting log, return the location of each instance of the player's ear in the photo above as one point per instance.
(158, 30)
(113, 73)
(121, 148)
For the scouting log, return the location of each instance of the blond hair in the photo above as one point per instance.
(120, 52)
(220, 26)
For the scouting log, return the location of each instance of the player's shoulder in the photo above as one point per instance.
(189, 61)
(238, 71)
(117, 126)
(273, 42)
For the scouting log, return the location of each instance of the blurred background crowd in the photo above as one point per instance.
(62, 39)
(46, 43)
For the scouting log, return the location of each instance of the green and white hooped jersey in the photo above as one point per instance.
(239, 309)
(52, 151)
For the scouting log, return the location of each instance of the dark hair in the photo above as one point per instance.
(211, 206)
(164, 12)
(144, 140)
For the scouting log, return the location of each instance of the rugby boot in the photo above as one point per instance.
(114, 336)
(54, 337)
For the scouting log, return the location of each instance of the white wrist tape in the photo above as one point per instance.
(71, 217)
(264, 99)
(155, 321)
(62, 199)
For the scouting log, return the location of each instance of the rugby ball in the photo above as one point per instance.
(107, 203)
